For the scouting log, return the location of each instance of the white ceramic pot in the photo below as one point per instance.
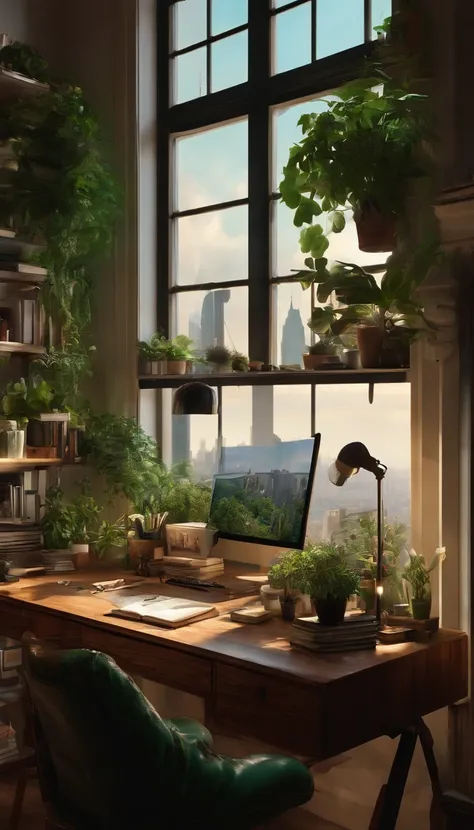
(271, 599)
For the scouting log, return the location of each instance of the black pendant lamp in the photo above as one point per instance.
(194, 398)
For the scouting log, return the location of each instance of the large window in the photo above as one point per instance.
(234, 77)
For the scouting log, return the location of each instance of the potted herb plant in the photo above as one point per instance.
(325, 575)
(240, 363)
(418, 576)
(177, 353)
(283, 576)
(219, 359)
(361, 155)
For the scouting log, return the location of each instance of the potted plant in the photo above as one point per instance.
(85, 514)
(151, 355)
(177, 353)
(325, 575)
(219, 359)
(240, 363)
(57, 525)
(109, 535)
(418, 577)
(283, 576)
(386, 318)
(32, 404)
(361, 155)
(328, 347)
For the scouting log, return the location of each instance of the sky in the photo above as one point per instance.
(212, 167)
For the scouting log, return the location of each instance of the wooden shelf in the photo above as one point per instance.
(18, 248)
(19, 465)
(10, 347)
(278, 378)
(16, 278)
(13, 85)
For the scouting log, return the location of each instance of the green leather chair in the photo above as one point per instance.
(107, 761)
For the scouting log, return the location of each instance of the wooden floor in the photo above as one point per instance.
(32, 817)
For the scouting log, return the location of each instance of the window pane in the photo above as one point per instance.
(292, 38)
(212, 247)
(343, 414)
(229, 60)
(286, 132)
(195, 440)
(338, 31)
(292, 310)
(286, 237)
(212, 166)
(189, 76)
(190, 23)
(297, 400)
(209, 317)
(236, 416)
(228, 14)
(380, 10)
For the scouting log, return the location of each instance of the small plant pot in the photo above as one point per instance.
(144, 367)
(288, 608)
(256, 365)
(158, 367)
(175, 367)
(82, 556)
(421, 608)
(313, 361)
(219, 368)
(370, 342)
(376, 231)
(330, 611)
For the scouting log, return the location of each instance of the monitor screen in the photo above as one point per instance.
(262, 494)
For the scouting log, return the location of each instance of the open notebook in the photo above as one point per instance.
(169, 612)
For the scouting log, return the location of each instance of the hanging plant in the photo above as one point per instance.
(360, 155)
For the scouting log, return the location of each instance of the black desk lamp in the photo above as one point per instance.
(194, 398)
(352, 458)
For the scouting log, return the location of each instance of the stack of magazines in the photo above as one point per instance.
(357, 632)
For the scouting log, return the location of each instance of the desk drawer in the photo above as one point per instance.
(276, 711)
(15, 620)
(152, 661)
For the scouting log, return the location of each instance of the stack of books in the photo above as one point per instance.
(177, 566)
(357, 632)
(58, 562)
(20, 544)
(8, 745)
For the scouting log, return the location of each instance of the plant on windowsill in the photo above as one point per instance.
(329, 346)
(387, 318)
(219, 359)
(324, 573)
(151, 355)
(240, 363)
(418, 576)
(178, 355)
(361, 155)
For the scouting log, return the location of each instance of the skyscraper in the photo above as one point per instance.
(293, 341)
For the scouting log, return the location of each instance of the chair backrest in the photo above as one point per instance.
(107, 760)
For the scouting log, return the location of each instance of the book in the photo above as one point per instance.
(351, 621)
(185, 561)
(168, 612)
(254, 614)
(357, 631)
(23, 268)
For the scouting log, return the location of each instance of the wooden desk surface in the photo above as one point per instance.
(253, 682)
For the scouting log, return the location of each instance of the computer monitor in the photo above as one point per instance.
(262, 495)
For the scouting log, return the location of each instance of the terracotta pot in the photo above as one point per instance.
(256, 365)
(376, 231)
(313, 361)
(82, 556)
(175, 367)
(369, 341)
(330, 611)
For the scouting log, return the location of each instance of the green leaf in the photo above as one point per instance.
(322, 319)
(313, 240)
(309, 262)
(306, 211)
(338, 221)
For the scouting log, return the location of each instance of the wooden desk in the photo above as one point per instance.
(253, 683)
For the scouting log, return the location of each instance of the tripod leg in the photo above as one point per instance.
(388, 804)
(427, 744)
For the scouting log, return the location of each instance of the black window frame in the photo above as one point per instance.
(255, 101)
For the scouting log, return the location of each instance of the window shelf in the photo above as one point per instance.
(278, 378)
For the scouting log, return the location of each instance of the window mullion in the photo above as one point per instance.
(259, 182)
(164, 34)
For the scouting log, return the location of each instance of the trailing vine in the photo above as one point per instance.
(61, 191)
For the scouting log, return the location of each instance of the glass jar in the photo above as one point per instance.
(12, 440)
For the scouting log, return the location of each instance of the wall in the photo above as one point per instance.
(13, 18)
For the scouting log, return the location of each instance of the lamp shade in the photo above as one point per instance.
(350, 460)
(194, 398)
